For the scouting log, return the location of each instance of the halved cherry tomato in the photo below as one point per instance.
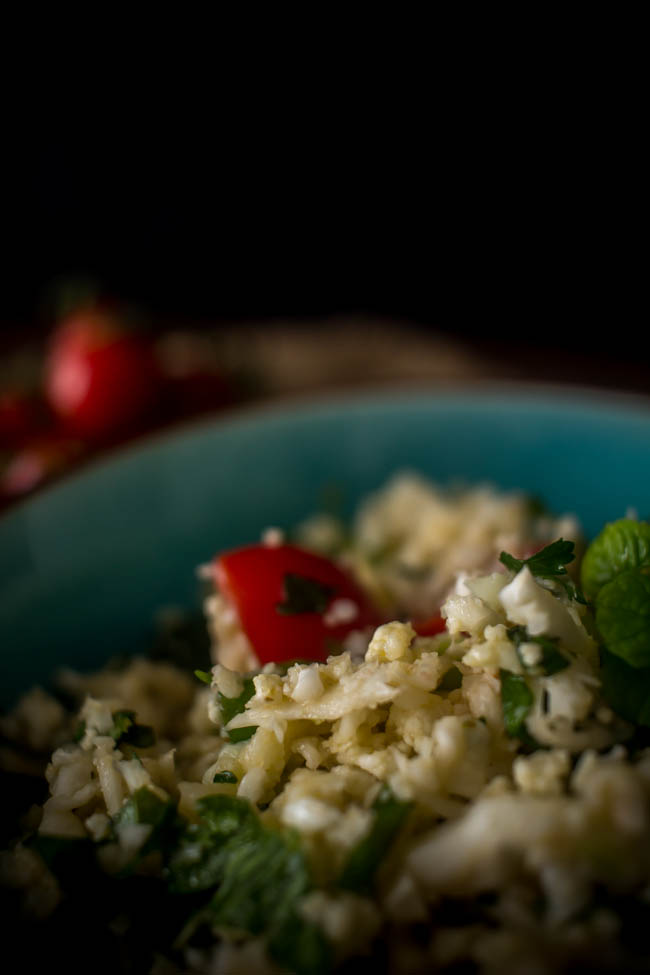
(258, 581)
(432, 626)
(100, 378)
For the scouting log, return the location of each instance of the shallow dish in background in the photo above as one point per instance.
(85, 565)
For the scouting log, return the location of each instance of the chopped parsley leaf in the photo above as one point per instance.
(549, 563)
(231, 706)
(255, 876)
(552, 660)
(451, 681)
(363, 862)
(126, 731)
(516, 702)
(303, 595)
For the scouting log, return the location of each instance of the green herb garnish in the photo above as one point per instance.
(549, 563)
(256, 877)
(126, 731)
(145, 807)
(516, 702)
(231, 706)
(552, 660)
(451, 681)
(626, 688)
(204, 676)
(621, 545)
(303, 595)
(616, 576)
(363, 862)
(227, 778)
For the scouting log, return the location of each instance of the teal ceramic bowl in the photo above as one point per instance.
(85, 565)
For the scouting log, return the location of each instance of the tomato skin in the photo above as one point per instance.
(99, 378)
(430, 627)
(252, 580)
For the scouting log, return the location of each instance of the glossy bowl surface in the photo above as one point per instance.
(85, 565)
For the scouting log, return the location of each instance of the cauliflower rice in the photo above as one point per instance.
(519, 851)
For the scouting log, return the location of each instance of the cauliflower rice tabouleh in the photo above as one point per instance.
(420, 747)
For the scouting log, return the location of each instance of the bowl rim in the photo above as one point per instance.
(375, 395)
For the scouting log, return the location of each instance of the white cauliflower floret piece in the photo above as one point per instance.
(542, 773)
(227, 682)
(309, 685)
(391, 641)
(468, 614)
(494, 652)
(531, 605)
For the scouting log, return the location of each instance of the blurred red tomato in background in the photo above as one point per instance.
(100, 378)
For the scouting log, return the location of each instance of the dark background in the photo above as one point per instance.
(529, 257)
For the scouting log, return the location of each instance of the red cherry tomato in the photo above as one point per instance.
(100, 379)
(432, 626)
(257, 581)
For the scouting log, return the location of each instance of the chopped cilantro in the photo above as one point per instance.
(451, 681)
(231, 706)
(126, 731)
(145, 807)
(303, 595)
(549, 563)
(203, 675)
(225, 777)
(390, 814)
(256, 877)
(552, 660)
(516, 702)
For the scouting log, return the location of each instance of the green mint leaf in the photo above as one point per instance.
(225, 777)
(626, 689)
(303, 595)
(231, 706)
(451, 681)
(203, 675)
(516, 702)
(390, 814)
(548, 563)
(623, 616)
(552, 660)
(621, 545)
